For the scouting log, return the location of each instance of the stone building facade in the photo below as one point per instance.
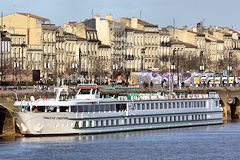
(115, 46)
(217, 46)
(5, 56)
(18, 56)
(40, 39)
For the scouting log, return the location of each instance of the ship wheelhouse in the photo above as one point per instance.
(88, 92)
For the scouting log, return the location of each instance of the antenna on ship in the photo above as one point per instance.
(92, 12)
(140, 14)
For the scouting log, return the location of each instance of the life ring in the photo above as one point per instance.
(230, 100)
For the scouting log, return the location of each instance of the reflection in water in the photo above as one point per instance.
(206, 142)
(122, 135)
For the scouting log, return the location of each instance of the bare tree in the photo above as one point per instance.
(7, 70)
(99, 68)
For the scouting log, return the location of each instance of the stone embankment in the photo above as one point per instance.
(7, 99)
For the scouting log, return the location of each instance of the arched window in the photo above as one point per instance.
(15, 51)
(61, 46)
(66, 46)
(69, 47)
(45, 37)
(53, 49)
(49, 37)
(73, 48)
(49, 49)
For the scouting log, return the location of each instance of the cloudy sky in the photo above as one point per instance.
(161, 12)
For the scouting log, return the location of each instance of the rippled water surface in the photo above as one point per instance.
(207, 142)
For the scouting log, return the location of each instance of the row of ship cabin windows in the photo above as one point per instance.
(139, 121)
(170, 105)
(137, 106)
(123, 107)
(100, 108)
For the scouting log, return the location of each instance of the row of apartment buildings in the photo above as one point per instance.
(105, 46)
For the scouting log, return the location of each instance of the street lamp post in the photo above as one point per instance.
(178, 67)
(229, 68)
(173, 67)
(201, 67)
(23, 45)
(142, 58)
(15, 66)
(229, 71)
(79, 60)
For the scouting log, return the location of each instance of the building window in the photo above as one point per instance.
(139, 120)
(135, 120)
(183, 118)
(157, 105)
(162, 119)
(173, 104)
(138, 106)
(144, 120)
(152, 105)
(179, 118)
(130, 121)
(169, 105)
(83, 124)
(90, 124)
(143, 106)
(96, 123)
(125, 121)
(102, 123)
(190, 104)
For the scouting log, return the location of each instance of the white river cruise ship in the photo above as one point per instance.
(87, 113)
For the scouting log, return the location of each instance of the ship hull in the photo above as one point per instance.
(69, 123)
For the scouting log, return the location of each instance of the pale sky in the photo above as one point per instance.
(160, 12)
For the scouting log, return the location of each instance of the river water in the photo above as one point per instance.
(206, 142)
